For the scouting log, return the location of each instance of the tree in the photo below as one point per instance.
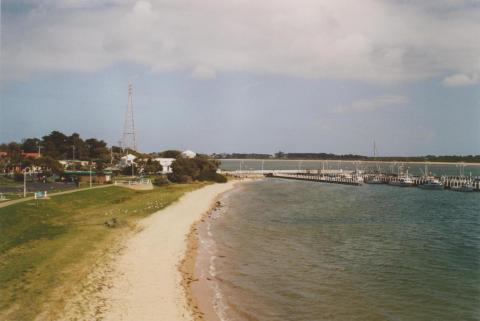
(31, 145)
(184, 170)
(14, 151)
(99, 166)
(199, 168)
(280, 154)
(97, 149)
(76, 147)
(127, 170)
(55, 145)
(49, 165)
(152, 167)
(170, 153)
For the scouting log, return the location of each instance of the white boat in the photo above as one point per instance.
(464, 187)
(359, 179)
(404, 181)
(373, 180)
(432, 183)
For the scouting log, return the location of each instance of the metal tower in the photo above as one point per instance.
(129, 140)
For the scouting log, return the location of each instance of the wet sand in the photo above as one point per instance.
(199, 281)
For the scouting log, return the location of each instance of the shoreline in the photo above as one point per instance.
(147, 275)
(199, 293)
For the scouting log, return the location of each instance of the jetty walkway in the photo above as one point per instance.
(349, 177)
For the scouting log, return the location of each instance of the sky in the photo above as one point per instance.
(246, 75)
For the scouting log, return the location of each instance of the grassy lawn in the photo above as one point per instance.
(8, 182)
(12, 196)
(47, 247)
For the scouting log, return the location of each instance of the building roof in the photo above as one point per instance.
(188, 154)
(31, 154)
(129, 157)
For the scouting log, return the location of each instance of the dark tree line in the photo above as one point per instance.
(59, 146)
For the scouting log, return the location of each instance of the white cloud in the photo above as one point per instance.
(458, 80)
(372, 104)
(371, 40)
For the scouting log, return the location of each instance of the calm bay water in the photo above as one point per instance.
(293, 250)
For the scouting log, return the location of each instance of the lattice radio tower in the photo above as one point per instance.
(129, 140)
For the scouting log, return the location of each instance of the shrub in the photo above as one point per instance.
(161, 180)
(199, 168)
(179, 178)
(219, 178)
(18, 177)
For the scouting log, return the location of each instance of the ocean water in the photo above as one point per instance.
(293, 250)
(414, 169)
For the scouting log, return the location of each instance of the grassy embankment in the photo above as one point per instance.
(9, 182)
(46, 248)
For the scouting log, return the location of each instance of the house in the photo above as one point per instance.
(188, 154)
(71, 164)
(166, 164)
(127, 160)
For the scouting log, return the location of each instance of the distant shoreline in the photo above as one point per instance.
(347, 161)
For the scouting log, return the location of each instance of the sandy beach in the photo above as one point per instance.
(147, 281)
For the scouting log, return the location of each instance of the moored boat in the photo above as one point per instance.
(373, 180)
(404, 181)
(432, 183)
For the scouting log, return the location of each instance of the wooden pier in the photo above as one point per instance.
(349, 177)
(447, 181)
(323, 178)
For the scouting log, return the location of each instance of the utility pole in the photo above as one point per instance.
(73, 152)
(39, 149)
(90, 175)
(25, 181)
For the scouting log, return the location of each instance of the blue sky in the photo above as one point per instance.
(242, 77)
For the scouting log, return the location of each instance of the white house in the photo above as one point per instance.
(127, 160)
(188, 154)
(166, 164)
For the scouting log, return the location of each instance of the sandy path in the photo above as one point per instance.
(146, 280)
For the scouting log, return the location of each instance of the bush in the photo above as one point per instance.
(199, 168)
(219, 178)
(180, 178)
(212, 177)
(18, 177)
(161, 180)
